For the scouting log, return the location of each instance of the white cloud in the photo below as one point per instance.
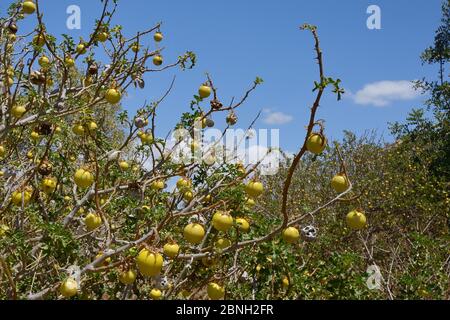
(383, 93)
(276, 117)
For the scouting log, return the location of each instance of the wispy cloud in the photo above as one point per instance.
(383, 93)
(276, 118)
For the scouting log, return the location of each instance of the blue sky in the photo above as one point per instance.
(235, 41)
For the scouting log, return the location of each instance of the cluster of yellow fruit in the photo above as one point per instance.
(146, 137)
(82, 128)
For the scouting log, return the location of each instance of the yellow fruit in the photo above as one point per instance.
(254, 189)
(215, 291)
(69, 62)
(242, 224)
(340, 183)
(135, 48)
(158, 185)
(188, 196)
(28, 7)
(44, 62)
(68, 288)
(171, 249)
(194, 233)
(124, 165)
(91, 126)
(39, 40)
(58, 129)
(157, 60)
(3, 230)
(9, 82)
(356, 220)
(18, 196)
(18, 111)
(155, 294)
(149, 263)
(146, 138)
(12, 37)
(81, 49)
(183, 183)
(30, 155)
(113, 96)
(222, 221)
(285, 282)
(250, 202)
(102, 36)
(158, 36)
(291, 235)
(316, 143)
(78, 129)
(48, 185)
(2, 151)
(223, 243)
(92, 221)
(204, 91)
(83, 178)
(127, 277)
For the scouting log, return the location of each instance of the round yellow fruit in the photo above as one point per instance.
(215, 291)
(81, 49)
(124, 165)
(157, 60)
(113, 96)
(158, 37)
(18, 197)
(102, 36)
(28, 7)
(18, 111)
(222, 221)
(188, 196)
(243, 224)
(83, 178)
(68, 288)
(91, 126)
(316, 143)
(158, 185)
(48, 185)
(155, 294)
(204, 91)
(2, 151)
(69, 62)
(194, 233)
(92, 221)
(135, 48)
(223, 243)
(340, 183)
(291, 235)
(171, 250)
(78, 129)
(127, 277)
(250, 202)
(149, 263)
(39, 40)
(44, 62)
(146, 138)
(254, 189)
(356, 220)
(183, 183)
